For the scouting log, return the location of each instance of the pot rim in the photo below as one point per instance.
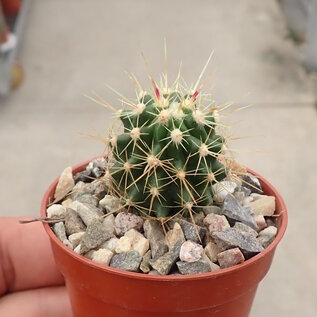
(168, 278)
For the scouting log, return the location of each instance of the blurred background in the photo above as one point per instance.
(265, 54)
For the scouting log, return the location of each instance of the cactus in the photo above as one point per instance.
(169, 153)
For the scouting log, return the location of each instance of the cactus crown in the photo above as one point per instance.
(169, 153)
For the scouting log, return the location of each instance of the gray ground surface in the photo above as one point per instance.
(73, 47)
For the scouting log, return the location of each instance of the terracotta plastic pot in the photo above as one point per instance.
(98, 291)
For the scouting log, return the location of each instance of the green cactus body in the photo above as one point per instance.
(167, 158)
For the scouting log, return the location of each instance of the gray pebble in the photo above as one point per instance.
(267, 236)
(95, 235)
(128, 261)
(145, 264)
(87, 214)
(73, 222)
(97, 167)
(165, 263)
(270, 222)
(87, 199)
(245, 190)
(231, 238)
(252, 183)
(199, 218)
(108, 223)
(153, 231)
(197, 267)
(60, 231)
(212, 210)
(244, 228)
(99, 188)
(79, 189)
(84, 176)
(190, 231)
(234, 211)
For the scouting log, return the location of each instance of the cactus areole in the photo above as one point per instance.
(169, 154)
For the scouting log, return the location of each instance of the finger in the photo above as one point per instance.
(42, 302)
(26, 259)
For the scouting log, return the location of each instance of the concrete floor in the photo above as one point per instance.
(73, 47)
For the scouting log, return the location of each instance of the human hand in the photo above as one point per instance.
(30, 283)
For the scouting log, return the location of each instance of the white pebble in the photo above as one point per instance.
(247, 200)
(264, 206)
(77, 249)
(133, 235)
(68, 243)
(75, 238)
(110, 203)
(211, 251)
(142, 245)
(222, 189)
(175, 235)
(260, 221)
(138, 242)
(65, 184)
(110, 244)
(216, 223)
(67, 202)
(257, 196)
(213, 266)
(123, 245)
(191, 251)
(102, 256)
(56, 211)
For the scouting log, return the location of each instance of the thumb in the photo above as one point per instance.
(42, 302)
